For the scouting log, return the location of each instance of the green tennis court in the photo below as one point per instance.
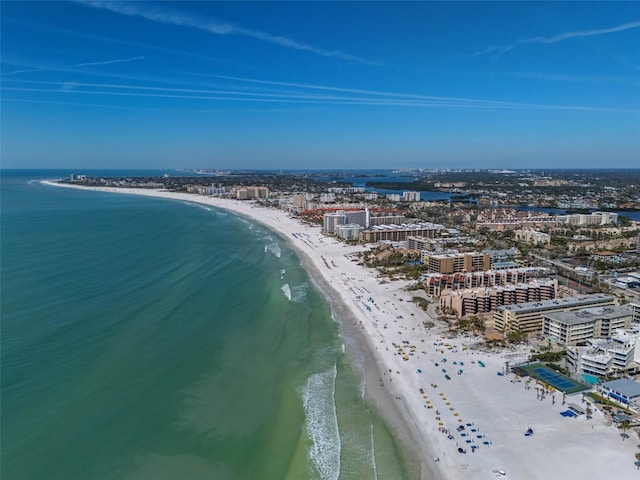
(554, 379)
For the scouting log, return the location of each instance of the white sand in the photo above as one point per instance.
(497, 407)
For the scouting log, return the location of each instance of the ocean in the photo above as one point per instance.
(154, 339)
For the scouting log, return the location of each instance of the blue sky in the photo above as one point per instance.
(99, 84)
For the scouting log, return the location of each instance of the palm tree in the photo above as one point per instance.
(624, 426)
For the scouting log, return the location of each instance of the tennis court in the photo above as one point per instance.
(551, 377)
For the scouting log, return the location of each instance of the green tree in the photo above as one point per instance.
(516, 336)
(624, 426)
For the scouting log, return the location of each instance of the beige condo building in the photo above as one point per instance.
(456, 262)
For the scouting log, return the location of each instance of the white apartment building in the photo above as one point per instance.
(349, 231)
(529, 235)
(595, 218)
(410, 196)
(330, 221)
(635, 311)
(327, 197)
(600, 357)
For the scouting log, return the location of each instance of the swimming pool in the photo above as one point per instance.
(590, 379)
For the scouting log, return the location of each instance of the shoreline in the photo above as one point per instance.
(427, 386)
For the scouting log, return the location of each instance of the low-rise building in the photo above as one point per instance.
(576, 327)
(603, 356)
(529, 235)
(624, 391)
(528, 317)
(595, 218)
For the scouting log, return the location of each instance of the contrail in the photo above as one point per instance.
(499, 50)
(583, 33)
(217, 27)
(121, 60)
(219, 95)
(88, 64)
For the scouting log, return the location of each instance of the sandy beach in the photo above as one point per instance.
(444, 397)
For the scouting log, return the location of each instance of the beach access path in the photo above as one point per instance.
(445, 396)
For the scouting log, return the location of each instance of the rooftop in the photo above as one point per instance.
(589, 315)
(625, 386)
(557, 303)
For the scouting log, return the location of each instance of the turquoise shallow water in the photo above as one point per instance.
(146, 338)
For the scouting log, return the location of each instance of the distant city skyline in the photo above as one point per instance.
(320, 85)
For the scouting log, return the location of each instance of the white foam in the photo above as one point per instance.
(373, 454)
(299, 293)
(319, 402)
(286, 290)
(274, 248)
(197, 205)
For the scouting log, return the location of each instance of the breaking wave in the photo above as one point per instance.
(286, 290)
(299, 293)
(319, 403)
(274, 249)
